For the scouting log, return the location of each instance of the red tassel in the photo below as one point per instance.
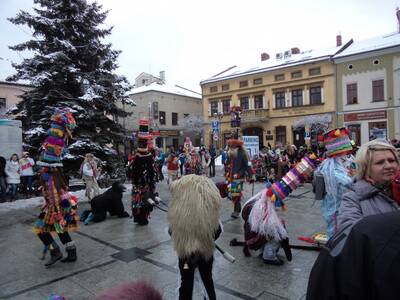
(269, 193)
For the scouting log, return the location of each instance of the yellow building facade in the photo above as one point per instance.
(283, 101)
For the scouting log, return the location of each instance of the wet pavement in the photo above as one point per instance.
(117, 251)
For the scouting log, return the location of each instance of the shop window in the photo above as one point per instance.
(315, 95)
(355, 133)
(244, 103)
(377, 130)
(258, 101)
(351, 93)
(280, 100)
(297, 97)
(280, 132)
(378, 90)
(214, 107)
(243, 83)
(279, 77)
(174, 119)
(162, 118)
(226, 104)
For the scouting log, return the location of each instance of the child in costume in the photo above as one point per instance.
(194, 226)
(336, 173)
(143, 177)
(59, 212)
(237, 166)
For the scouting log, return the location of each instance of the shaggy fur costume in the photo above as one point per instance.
(193, 215)
(110, 201)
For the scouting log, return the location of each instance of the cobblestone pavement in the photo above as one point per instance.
(117, 251)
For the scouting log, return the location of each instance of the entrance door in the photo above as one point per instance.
(355, 133)
(255, 131)
(298, 137)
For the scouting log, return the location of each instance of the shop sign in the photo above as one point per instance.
(373, 115)
(169, 133)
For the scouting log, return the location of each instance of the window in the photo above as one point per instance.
(225, 87)
(350, 67)
(214, 89)
(226, 105)
(174, 119)
(377, 130)
(297, 97)
(280, 134)
(376, 62)
(351, 93)
(377, 90)
(244, 103)
(257, 81)
(258, 101)
(3, 104)
(315, 95)
(162, 117)
(314, 71)
(214, 107)
(243, 83)
(297, 74)
(279, 77)
(280, 99)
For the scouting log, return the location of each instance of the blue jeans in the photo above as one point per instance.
(3, 187)
(12, 190)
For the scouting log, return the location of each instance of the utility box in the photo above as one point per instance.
(10, 138)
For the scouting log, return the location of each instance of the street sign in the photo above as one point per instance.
(307, 135)
(215, 136)
(214, 125)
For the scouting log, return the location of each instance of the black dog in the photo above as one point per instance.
(110, 201)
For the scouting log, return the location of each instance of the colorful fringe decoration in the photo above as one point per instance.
(337, 142)
(62, 122)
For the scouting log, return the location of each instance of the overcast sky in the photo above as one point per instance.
(193, 40)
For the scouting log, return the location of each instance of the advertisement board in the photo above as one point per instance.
(252, 145)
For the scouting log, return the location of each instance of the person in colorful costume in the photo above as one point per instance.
(238, 169)
(59, 212)
(337, 174)
(263, 229)
(143, 177)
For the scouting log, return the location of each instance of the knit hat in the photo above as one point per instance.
(337, 142)
(62, 122)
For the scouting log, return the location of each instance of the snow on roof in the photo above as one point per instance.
(376, 43)
(274, 64)
(165, 88)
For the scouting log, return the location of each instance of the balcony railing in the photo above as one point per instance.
(255, 115)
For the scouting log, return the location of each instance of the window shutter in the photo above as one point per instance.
(263, 102)
(322, 95)
(219, 107)
(288, 98)
(209, 109)
(273, 100)
(251, 102)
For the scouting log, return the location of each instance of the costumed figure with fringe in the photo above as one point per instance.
(193, 217)
(334, 176)
(263, 229)
(59, 211)
(143, 177)
(237, 170)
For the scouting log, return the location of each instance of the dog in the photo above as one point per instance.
(110, 201)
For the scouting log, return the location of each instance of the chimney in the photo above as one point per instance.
(162, 76)
(295, 50)
(338, 40)
(398, 19)
(264, 56)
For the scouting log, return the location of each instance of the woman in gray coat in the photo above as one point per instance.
(371, 193)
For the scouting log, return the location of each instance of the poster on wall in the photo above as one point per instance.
(377, 133)
(252, 145)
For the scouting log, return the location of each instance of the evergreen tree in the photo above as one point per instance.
(71, 67)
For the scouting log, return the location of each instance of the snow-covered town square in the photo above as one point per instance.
(199, 150)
